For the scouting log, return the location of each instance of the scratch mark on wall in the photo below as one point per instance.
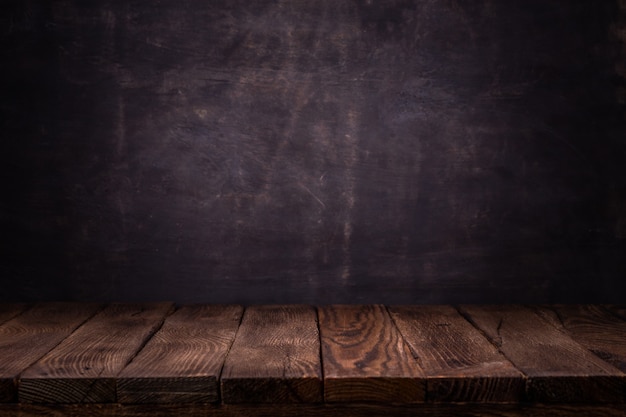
(351, 144)
(313, 195)
(121, 126)
(351, 158)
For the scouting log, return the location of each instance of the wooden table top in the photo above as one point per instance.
(157, 353)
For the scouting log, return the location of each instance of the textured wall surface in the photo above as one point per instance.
(313, 151)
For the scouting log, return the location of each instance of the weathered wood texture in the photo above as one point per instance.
(82, 369)
(64, 357)
(183, 360)
(29, 336)
(275, 357)
(365, 357)
(460, 363)
(8, 311)
(558, 368)
(309, 410)
(619, 309)
(327, 151)
(594, 327)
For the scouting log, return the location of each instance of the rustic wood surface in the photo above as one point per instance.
(314, 410)
(28, 337)
(365, 357)
(269, 359)
(619, 309)
(82, 368)
(183, 360)
(594, 327)
(460, 364)
(275, 357)
(558, 368)
(8, 311)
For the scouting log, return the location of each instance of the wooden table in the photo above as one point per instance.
(156, 359)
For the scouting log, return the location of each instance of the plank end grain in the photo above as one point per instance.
(312, 410)
(365, 358)
(386, 390)
(271, 390)
(164, 390)
(275, 357)
(590, 389)
(183, 360)
(488, 389)
(66, 390)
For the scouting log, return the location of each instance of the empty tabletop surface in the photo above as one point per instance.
(160, 353)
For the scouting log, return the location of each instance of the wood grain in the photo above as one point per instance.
(83, 367)
(313, 410)
(29, 336)
(558, 368)
(593, 327)
(365, 357)
(182, 362)
(460, 364)
(618, 309)
(275, 357)
(8, 311)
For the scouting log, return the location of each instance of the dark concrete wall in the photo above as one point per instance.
(313, 151)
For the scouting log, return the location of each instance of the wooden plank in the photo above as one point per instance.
(275, 357)
(460, 364)
(313, 410)
(29, 336)
(364, 357)
(617, 309)
(9, 311)
(183, 360)
(83, 367)
(558, 368)
(593, 327)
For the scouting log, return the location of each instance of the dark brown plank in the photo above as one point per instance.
(617, 309)
(83, 367)
(313, 410)
(460, 364)
(29, 336)
(558, 368)
(593, 327)
(364, 357)
(183, 360)
(275, 357)
(9, 311)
